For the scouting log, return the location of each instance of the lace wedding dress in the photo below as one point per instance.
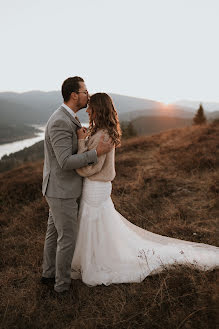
(110, 249)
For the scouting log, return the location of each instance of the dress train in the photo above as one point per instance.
(110, 249)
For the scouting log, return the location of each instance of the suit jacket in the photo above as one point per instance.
(60, 180)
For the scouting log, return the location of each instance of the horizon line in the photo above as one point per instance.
(138, 97)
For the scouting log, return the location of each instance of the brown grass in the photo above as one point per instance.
(166, 183)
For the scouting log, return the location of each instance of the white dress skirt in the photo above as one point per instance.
(110, 249)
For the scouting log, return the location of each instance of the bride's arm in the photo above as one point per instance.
(84, 146)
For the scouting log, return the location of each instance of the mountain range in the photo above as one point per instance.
(208, 106)
(35, 107)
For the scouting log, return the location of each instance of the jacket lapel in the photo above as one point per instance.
(70, 116)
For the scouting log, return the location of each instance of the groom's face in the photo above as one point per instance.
(83, 95)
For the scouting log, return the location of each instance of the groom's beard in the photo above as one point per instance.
(82, 105)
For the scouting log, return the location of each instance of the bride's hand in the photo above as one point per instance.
(104, 147)
(82, 133)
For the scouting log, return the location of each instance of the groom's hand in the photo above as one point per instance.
(104, 147)
(82, 133)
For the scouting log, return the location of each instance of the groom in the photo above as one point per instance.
(62, 186)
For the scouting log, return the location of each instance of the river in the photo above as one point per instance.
(6, 149)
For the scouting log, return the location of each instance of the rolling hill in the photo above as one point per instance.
(36, 106)
(166, 183)
(148, 125)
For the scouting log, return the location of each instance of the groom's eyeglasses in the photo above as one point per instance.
(84, 92)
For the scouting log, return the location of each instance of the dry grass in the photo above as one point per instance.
(166, 183)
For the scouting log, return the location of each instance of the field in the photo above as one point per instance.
(166, 183)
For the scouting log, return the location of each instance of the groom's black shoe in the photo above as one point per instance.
(59, 295)
(44, 280)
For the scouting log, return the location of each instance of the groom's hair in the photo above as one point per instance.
(70, 85)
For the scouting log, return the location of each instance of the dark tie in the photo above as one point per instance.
(77, 119)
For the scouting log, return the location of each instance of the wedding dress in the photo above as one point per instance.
(110, 249)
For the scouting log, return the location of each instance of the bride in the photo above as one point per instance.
(110, 249)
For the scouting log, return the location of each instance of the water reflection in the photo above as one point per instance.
(6, 149)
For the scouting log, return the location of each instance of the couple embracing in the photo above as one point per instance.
(86, 237)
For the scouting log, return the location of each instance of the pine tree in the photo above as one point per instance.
(199, 118)
(128, 129)
(131, 130)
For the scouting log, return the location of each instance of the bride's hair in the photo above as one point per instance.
(104, 116)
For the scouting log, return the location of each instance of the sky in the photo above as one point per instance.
(164, 50)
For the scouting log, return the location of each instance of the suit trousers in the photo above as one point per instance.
(60, 241)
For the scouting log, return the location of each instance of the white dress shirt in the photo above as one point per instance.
(69, 110)
(73, 114)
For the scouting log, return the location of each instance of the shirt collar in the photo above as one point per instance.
(69, 110)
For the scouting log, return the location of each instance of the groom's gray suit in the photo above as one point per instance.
(62, 187)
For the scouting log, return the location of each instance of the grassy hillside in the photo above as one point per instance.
(166, 183)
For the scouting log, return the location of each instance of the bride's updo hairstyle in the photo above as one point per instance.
(104, 116)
